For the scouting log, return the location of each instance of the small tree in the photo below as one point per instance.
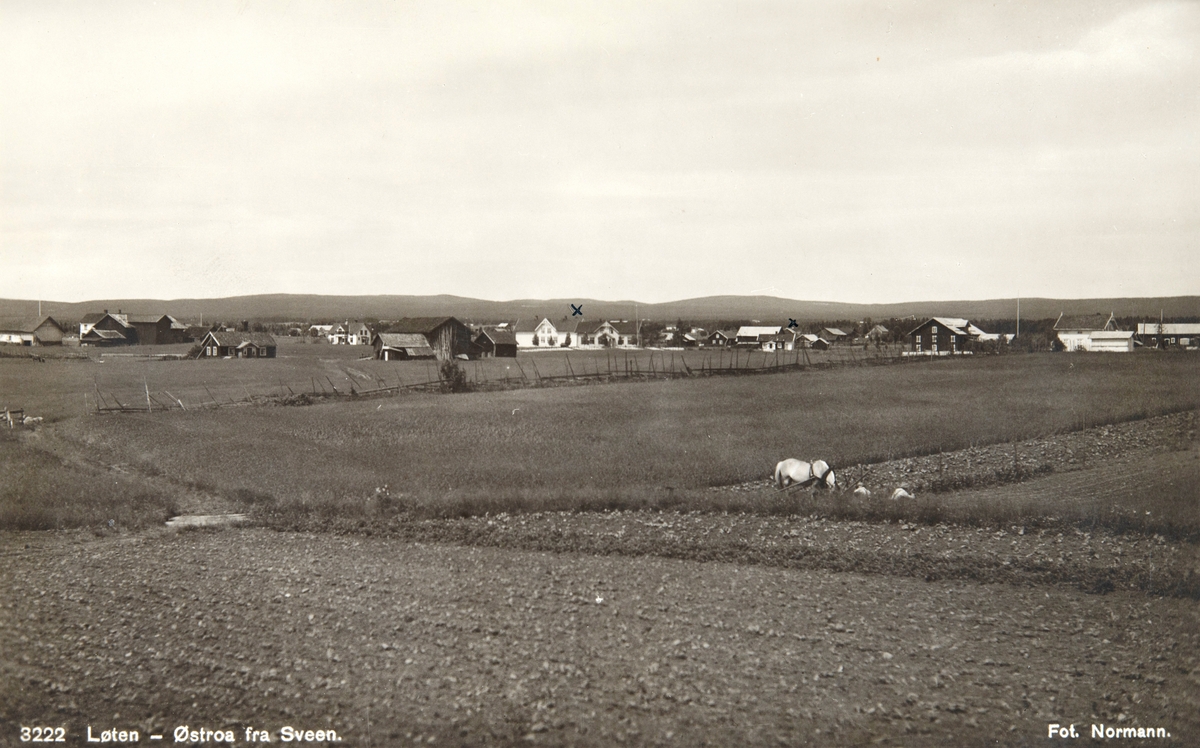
(454, 379)
(535, 340)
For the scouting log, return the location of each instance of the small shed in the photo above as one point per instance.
(497, 342)
(225, 344)
(401, 346)
(835, 335)
(697, 337)
(809, 340)
(877, 334)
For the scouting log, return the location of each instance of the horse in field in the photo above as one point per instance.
(803, 473)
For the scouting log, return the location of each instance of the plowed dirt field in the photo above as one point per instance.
(390, 642)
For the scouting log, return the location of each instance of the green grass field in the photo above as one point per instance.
(65, 387)
(620, 445)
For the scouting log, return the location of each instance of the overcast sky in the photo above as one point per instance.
(873, 152)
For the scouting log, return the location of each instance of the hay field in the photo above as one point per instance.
(612, 446)
(73, 383)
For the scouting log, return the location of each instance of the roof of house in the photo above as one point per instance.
(810, 337)
(1168, 328)
(26, 324)
(836, 332)
(1085, 322)
(97, 317)
(103, 334)
(767, 337)
(499, 336)
(625, 327)
(423, 325)
(402, 339)
(238, 339)
(956, 325)
(144, 319)
(751, 331)
(568, 325)
(722, 333)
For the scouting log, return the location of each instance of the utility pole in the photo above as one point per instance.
(1018, 317)
(637, 320)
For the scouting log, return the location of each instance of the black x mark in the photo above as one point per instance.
(792, 322)
(578, 310)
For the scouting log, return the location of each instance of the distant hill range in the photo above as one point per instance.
(766, 309)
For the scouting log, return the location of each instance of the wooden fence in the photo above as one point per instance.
(617, 366)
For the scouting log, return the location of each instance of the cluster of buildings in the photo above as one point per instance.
(446, 337)
(108, 328)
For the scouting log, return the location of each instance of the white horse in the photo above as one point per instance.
(803, 473)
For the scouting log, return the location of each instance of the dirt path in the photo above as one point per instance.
(392, 643)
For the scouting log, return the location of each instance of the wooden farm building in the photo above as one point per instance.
(721, 338)
(835, 335)
(222, 344)
(497, 342)
(106, 328)
(445, 335)
(809, 340)
(401, 346)
(751, 336)
(30, 331)
(103, 338)
(157, 329)
(697, 337)
(944, 336)
(1083, 333)
(1169, 334)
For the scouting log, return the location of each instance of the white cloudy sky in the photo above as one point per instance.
(819, 150)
